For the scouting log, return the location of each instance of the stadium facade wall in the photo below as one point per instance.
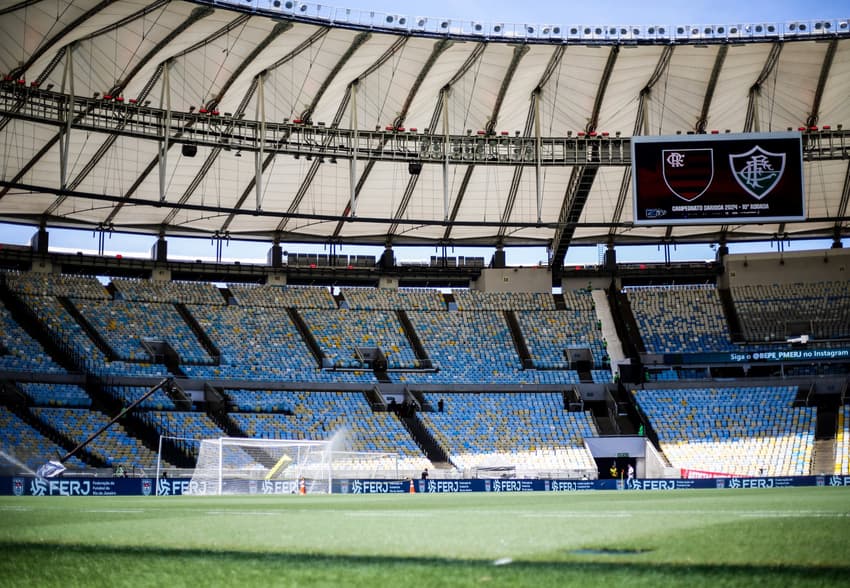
(787, 268)
(514, 279)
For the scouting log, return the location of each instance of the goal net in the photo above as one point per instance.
(230, 465)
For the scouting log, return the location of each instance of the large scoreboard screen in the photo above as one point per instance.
(731, 178)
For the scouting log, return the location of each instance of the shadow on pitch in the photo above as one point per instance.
(24, 554)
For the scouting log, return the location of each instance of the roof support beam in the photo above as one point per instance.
(437, 50)
(352, 167)
(196, 15)
(532, 120)
(518, 53)
(261, 130)
(213, 155)
(464, 183)
(358, 41)
(593, 121)
(751, 122)
(702, 121)
(641, 127)
(152, 83)
(444, 97)
(354, 185)
(843, 203)
(303, 46)
(44, 47)
(65, 142)
(826, 66)
(116, 90)
(581, 178)
(165, 102)
(53, 63)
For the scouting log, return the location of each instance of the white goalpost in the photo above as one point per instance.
(230, 465)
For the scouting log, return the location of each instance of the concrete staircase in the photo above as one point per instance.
(609, 330)
(823, 457)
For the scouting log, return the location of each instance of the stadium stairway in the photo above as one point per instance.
(625, 324)
(133, 422)
(615, 414)
(305, 333)
(736, 333)
(609, 328)
(412, 338)
(36, 329)
(16, 401)
(602, 417)
(823, 456)
(88, 329)
(199, 332)
(432, 450)
(519, 340)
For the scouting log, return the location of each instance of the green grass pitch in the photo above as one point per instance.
(778, 537)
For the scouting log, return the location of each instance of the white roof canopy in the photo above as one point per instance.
(257, 70)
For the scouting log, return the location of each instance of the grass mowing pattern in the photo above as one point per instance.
(788, 537)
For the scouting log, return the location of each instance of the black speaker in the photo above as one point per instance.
(498, 261)
(414, 167)
(387, 261)
(190, 150)
(631, 373)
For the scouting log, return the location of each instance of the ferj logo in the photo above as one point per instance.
(163, 488)
(18, 486)
(38, 487)
(147, 486)
(757, 171)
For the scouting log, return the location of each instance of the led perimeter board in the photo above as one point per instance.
(731, 178)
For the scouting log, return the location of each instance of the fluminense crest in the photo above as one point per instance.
(757, 171)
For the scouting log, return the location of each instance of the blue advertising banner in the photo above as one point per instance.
(757, 356)
(33, 486)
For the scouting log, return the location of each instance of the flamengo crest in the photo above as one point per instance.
(757, 171)
(688, 172)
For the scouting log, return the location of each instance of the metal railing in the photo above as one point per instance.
(308, 139)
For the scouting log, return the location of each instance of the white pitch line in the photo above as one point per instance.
(113, 511)
(579, 515)
(258, 513)
(794, 515)
(390, 514)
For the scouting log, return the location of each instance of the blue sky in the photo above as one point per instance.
(615, 12)
(605, 12)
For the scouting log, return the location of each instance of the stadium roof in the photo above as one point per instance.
(297, 122)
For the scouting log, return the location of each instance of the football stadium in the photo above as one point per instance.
(343, 408)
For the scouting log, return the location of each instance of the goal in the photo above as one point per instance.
(231, 465)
